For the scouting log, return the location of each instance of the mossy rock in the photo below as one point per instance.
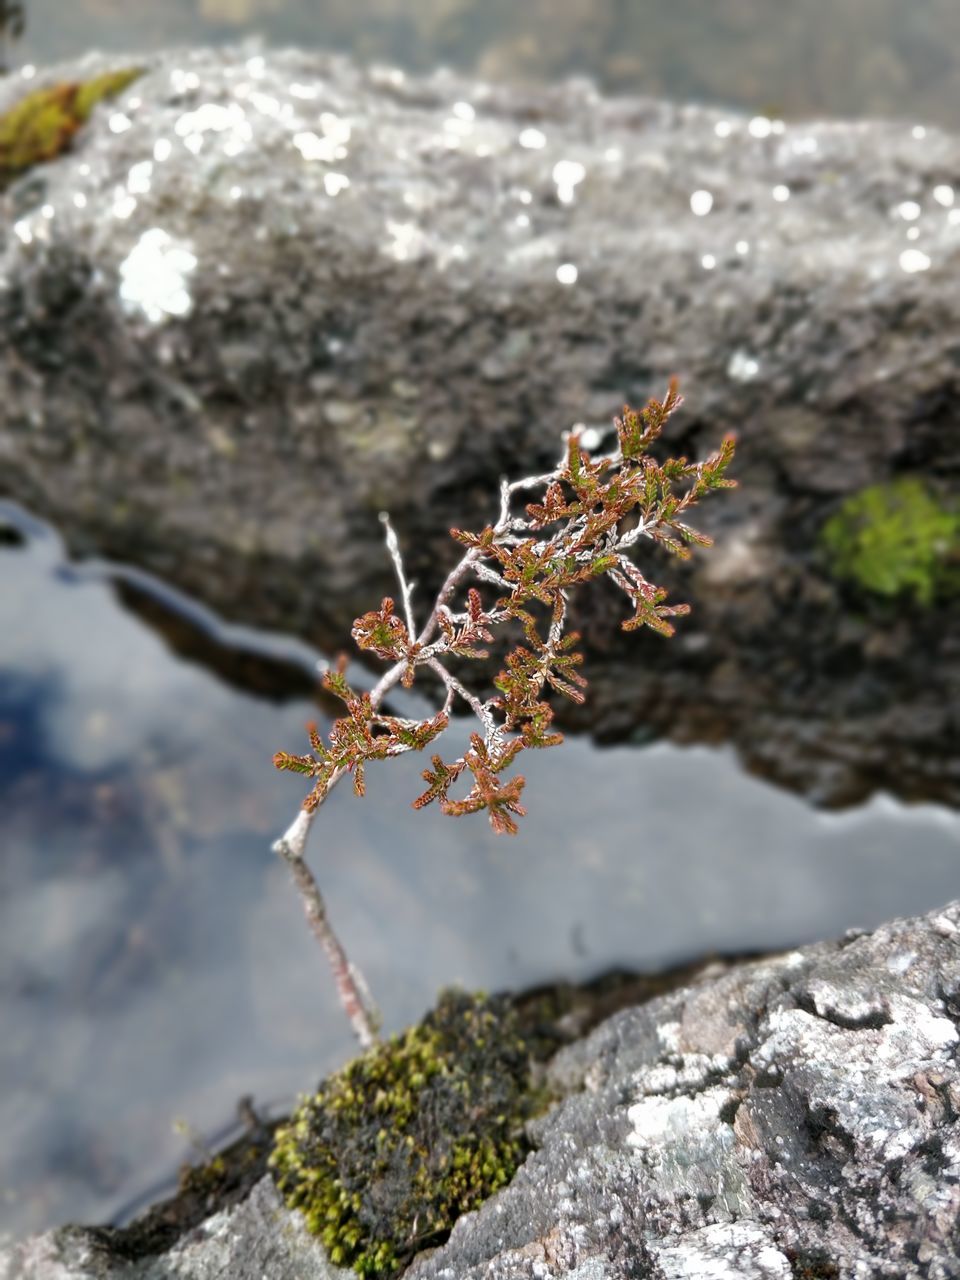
(43, 124)
(895, 539)
(389, 1152)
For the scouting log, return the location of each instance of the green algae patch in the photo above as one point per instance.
(43, 124)
(895, 539)
(390, 1151)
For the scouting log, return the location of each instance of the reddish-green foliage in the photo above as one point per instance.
(591, 514)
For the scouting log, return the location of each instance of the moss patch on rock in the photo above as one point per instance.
(895, 539)
(389, 1152)
(43, 124)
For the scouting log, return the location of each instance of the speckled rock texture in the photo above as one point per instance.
(255, 1240)
(791, 1118)
(267, 295)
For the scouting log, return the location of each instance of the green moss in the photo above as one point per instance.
(43, 123)
(894, 539)
(203, 1180)
(391, 1150)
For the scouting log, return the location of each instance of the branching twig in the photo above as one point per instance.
(351, 986)
(570, 536)
(406, 588)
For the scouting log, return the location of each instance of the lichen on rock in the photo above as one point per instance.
(894, 539)
(42, 125)
(388, 1153)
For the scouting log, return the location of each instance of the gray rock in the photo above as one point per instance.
(220, 361)
(792, 1117)
(256, 1240)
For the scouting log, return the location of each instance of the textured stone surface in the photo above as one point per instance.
(256, 1240)
(794, 1117)
(219, 362)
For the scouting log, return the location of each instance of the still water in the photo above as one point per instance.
(154, 964)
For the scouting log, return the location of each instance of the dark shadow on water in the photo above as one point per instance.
(246, 669)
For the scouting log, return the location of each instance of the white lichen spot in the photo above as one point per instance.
(532, 139)
(123, 207)
(723, 128)
(211, 117)
(305, 92)
(457, 127)
(760, 127)
(23, 232)
(918, 132)
(568, 174)
(194, 143)
(28, 71)
(659, 1119)
(265, 103)
(781, 192)
(80, 200)
(708, 261)
(154, 276)
(138, 179)
(312, 147)
(742, 247)
(742, 367)
(331, 146)
(668, 1033)
(334, 183)
(184, 81)
(908, 210)
(464, 111)
(406, 242)
(944, 194)
(914, 260)
(567, 273)
(701, 202)
(162, 150)
(913, 233)
(119, 123)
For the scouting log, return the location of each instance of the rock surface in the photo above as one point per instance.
(255, 1240)
(265, 297)
(792, 1117)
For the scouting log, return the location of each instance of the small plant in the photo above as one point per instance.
(388, 1153)
(894, 539)
(43, 124)
(589, 515)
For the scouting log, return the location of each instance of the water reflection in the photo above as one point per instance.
(153, 963)
(12, 24)
(842, 57)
